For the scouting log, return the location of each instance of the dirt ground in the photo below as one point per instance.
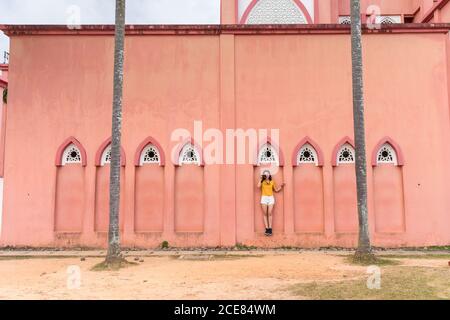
(257, 275)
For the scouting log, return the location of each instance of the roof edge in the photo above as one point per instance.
(23, 30)
(437, 6)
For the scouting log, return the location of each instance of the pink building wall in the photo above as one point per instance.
(445, 14)
(297, 80)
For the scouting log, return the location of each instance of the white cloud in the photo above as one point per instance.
(102, 12)
(4, 45)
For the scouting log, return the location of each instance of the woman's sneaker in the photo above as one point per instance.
(267, 233)
(270, 232)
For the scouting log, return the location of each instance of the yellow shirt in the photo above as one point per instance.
(267, 188)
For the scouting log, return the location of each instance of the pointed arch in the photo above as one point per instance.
(298, 3)
(337, 148)
(60, 152)
(268, 141)
(149, 141)
(181, 148)
(305, 141)
(3, 84)
(101, 150)
(398, 152)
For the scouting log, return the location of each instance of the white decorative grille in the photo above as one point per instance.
(345, 20)
(189, 155)
(276, 12)
(387, 155)
(346, 154)
(150, 155)
(106, 156)
(307, 154)
(388, 19)
(71, 155)
(268, 155)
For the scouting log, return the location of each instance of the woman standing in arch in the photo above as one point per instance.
(268, 186)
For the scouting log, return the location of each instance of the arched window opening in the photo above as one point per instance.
(70, 152)
(71, 155)
(389, 19)
(189, 155)
(346, 154)
(106, 156)
(345, 20)
(387, 155)
(103, 154)
(307, 154)
(150, 155)
(277, 12)
(268, 155)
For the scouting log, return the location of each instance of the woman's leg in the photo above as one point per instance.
(265, 216)
(270, 216)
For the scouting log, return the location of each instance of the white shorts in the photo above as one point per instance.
(268, 200)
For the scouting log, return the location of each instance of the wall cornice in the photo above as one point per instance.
(28, 30)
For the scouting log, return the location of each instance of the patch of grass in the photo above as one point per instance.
(420, 249)
(370, 260)
(243, 247)
(165, 244)
(405, 283)
(416, 256)
(438, 248)
(287, 248)
(114, 265)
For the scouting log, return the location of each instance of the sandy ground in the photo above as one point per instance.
(257, 276)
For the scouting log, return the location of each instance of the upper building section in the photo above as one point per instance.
(276, 11)
(333, 11)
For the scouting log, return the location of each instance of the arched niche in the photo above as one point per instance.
(387, 164)
(149, 187)
(102, 163)
(307, 160)
(275, 12)
(70, 196)
(189, 188)
(344, 187)
(270, 157)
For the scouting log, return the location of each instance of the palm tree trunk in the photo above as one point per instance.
(114, 184)
(364, 246)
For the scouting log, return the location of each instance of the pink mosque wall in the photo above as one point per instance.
(445, 14)
(298, 81)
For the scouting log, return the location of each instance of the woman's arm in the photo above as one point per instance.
(280, 188)
(259, 183)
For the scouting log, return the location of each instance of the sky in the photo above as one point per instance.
(102, 12)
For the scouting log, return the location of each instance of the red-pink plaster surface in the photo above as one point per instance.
(61, 86)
